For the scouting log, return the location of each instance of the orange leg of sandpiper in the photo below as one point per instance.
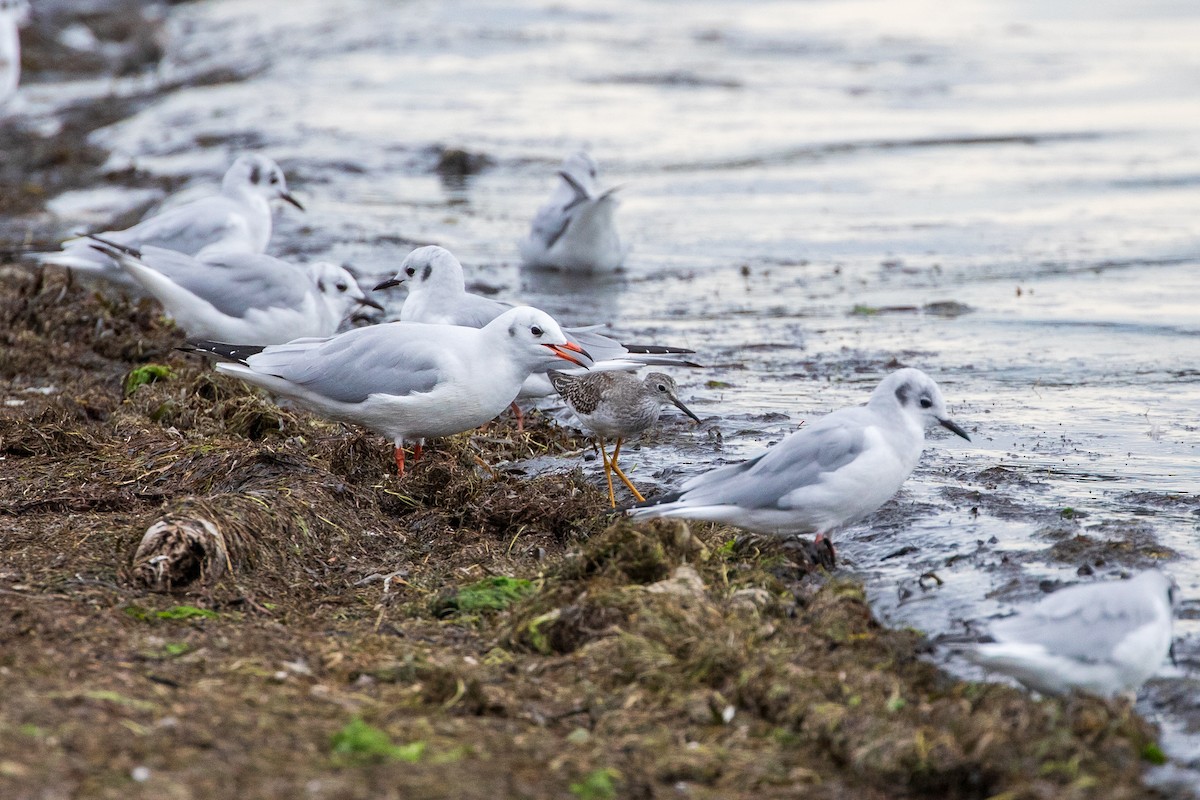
(612, 496)
(621, 474)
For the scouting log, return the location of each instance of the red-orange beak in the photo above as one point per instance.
(574, 348)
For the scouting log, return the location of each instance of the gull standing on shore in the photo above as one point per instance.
(406, 380)
(575, 230)
(251, 298)
(437, 293)
(824, 476)
(237, 219)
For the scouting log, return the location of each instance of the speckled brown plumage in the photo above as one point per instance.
(618, 405)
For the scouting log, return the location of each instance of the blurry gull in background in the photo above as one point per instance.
(575, 229)
(237, 219)
(1104, 638)
(13, 14)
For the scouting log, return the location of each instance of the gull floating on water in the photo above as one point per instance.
(617, 405)
(824, 476)
(406, 380)
(237, 219)
(575, 230)
(13, 14)
(1104, 638)
(251, 298)
(437, 293)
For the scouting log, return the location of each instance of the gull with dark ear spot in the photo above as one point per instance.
(826, 475)
(236, 220)
(407, 380)
(576, 230)
(251, 298)
(437, 293)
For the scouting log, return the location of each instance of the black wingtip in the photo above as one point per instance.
(223, 350)
(656, 349)
(654, 501)
(109, 245)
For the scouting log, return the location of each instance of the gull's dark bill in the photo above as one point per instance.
(951, 425)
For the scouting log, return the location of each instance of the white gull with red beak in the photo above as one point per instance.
(408, 381)
(437, 293)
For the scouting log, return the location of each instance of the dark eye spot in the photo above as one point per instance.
(410, 272)
(341, 287)
(662, 387)
(535, 330)
(926, 402)
(274, 179)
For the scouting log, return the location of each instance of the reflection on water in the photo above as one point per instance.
(784, 164)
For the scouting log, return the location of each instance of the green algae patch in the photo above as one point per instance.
(599, 784)
(1153, 753)
(490, 594)
(360, 743)
(145, 374)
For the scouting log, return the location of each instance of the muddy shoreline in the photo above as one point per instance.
(467, 625)
(638, 657)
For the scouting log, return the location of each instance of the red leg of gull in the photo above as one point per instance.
(399, 459)
(822, 540)
(417, 450)
(516, 409)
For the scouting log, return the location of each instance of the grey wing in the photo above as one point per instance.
(599, 346)
(188, 228)
(1085, 623)
(235, 283)
(801, 459)
(349, 367)
(474, 311)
